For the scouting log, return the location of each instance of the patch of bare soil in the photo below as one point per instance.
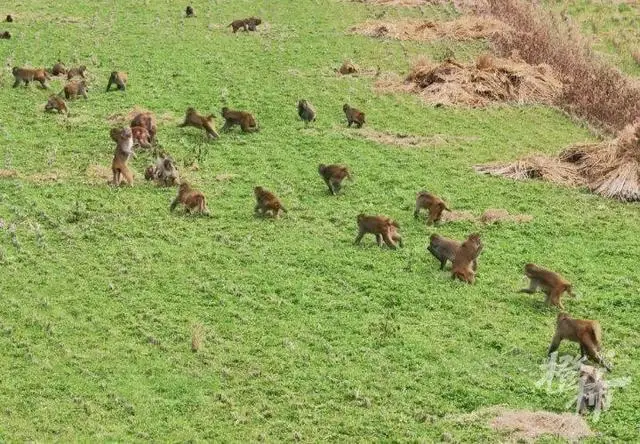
(493, 215)
(8, 173)
(399, 139)
(462, 29)
(528, 426)
(98, 174)
(490, 80)
(457, 216)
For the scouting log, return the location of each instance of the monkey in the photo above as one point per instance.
(463, 262)
(141, 136)
(252, 23)
(432, 203)
(9, 18)
(551, 283)
(58, 69)
(445, 249)
(306, 111)
(118, 78)
(55, 102)
(74, 89)
(333, 175)
(164, 172)
(78, 71)
(248, 23)
(393, 233)
(146, 120)
(246, 121)
(353, 116)
(124, 150)
(190, 198)
(27, 75)
(192, 118)
(585, 332)
(382, 227)
(189, 12)
(267, 202)
(5, 35)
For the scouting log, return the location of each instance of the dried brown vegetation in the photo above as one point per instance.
(610, 168)
(462, 28)
(489, 80)
(593, 89)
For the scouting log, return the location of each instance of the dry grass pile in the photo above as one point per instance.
(408, 3)
(529, 426)
(348, 67)
(593, 89)
(536, 167)
(610, 168)
(463, 28)
(487, 81)
(98, 174)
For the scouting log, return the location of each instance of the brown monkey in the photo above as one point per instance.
(252, 23)
(333, 175)
(382, 227)
(192, 118)
(267, 202)
(124, 150)
(77, 71)
(190, 198)
(246, 121)
(118, 78)
(353, 116)
(306, 111)
(189, 12)
(248, 23)
(74, 89)
(27, 75)
(9, 18)
(58, 69)
(141, 136)
(5, 35)
(585, 332)
(146, 120)
(464, 260)
(164, 172)
(56, 102)
(551, 283)
(431, 203)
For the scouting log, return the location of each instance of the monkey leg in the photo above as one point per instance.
(16, 83)
(128, 176)
(533, 286)
(108, 86)
(336, 185)
(398, 239)
(326, 181)
(257, 209)
(474, 265)
(555, 343)
(349, 122)
(379, 240)
(359, 237)
(388, 240)
(358, 125)
(416, 212)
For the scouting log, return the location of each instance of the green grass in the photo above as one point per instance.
(612, 26)
(306, 336)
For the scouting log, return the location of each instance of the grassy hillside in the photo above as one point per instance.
(306, 336)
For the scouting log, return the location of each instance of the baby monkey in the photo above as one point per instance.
(190, 198)
(267, 203)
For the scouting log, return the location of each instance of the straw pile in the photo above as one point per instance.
(487, 81)
(609, 168)
(463, 28)
(536, 167)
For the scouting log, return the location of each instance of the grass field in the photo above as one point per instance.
(306, 336)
